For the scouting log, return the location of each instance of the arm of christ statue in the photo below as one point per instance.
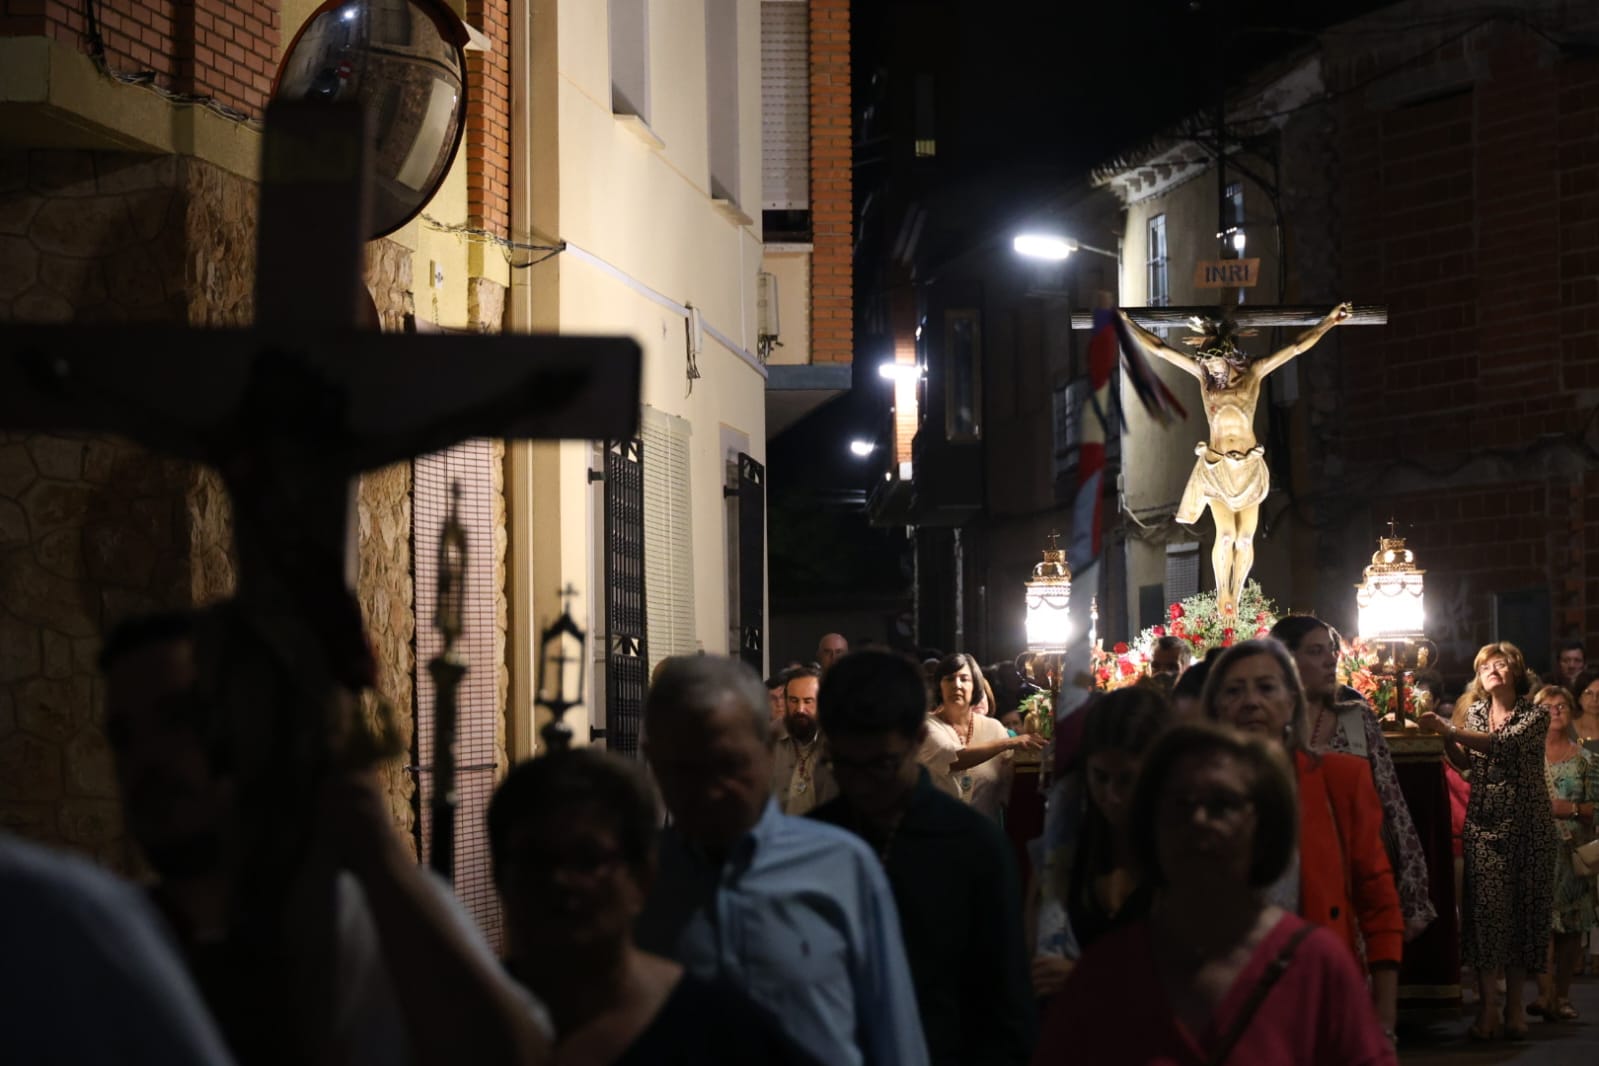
(1157, 347)
(1306, 341)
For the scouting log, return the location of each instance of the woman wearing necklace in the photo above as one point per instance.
(968, 754)
(1572, 774)
(1349, 726)
(1339, 878)
(1215, 972)
(1509, 837)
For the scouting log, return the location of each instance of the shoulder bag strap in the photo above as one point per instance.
(1274, 971)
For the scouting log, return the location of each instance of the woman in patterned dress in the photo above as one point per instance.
(1572, 774)
(1509, 838)
(1350, 726)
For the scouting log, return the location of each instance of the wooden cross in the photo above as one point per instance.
(290, 412)
(1246, 316)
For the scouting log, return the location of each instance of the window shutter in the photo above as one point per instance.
(668, 537)
(1182, 571)
(785, 106)
(626, 643)
(471, 466)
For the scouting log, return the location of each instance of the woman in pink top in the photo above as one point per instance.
(1215, 974)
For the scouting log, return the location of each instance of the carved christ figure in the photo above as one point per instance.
(1230, 472)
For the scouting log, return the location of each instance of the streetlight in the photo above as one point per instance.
(910, 372)
(1392, 614)
(861, 448)
(1054, 247)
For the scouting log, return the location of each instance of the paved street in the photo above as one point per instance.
(1548, 1044)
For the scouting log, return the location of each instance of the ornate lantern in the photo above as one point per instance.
(1392, 617)
(1049, 597)
(563, 660)
(1390, 598)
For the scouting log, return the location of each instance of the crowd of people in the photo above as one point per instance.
(815, 870)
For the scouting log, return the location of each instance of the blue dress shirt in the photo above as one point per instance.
(801, 917)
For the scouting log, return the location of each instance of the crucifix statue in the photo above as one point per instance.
(1230, 474)
(290, 412)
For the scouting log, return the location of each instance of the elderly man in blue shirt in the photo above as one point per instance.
(797, 913)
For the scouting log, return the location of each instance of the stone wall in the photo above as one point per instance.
(93, 528)
(384, 586)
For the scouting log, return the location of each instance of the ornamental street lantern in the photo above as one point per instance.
(563, 658)
(1390, 597)
(1049, 596)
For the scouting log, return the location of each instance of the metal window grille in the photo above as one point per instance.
(1068, 420)
(626, 632)
(752, 562)
(1182, 571)
(478, 745)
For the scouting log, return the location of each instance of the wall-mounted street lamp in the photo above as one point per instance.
(861, 448)
(1054, 247)
(896, 372)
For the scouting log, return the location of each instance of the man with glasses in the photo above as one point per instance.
(950, 868)
(796, 913)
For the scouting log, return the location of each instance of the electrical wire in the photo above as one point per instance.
(478, 235)
(146, 79)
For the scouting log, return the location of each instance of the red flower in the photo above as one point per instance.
(1262, 633)
(1159, 631)
(1175, 611)
(1120, 648)
(1128, 669)
(1260, 619)
(1227, 637)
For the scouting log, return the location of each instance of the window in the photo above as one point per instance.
(630, 58)
(785, 106)
(668, 537)
(926, 139)
(1159, 294)
(1182, 571)
(1068, 397)
(721, 89)
(963, 386)
(1234, 233)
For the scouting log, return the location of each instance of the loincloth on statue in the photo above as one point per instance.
(1234, 480)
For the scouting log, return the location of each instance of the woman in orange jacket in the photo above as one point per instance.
(1341, 878)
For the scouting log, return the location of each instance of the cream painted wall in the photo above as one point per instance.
(646, 212)
(793, 273)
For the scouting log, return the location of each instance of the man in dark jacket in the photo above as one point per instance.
(951, 869)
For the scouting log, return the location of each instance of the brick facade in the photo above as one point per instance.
(488, 120)
(1465, 185)
(226, 50)
(832, 185)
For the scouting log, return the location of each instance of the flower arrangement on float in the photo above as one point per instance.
(1197, 620)
(1360, 667)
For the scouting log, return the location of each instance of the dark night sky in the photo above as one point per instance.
(1048, 89)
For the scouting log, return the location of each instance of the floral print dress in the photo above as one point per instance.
(1405, 852)
(1575, 778)
(1509, 845)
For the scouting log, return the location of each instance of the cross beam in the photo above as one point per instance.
(1245, 316)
